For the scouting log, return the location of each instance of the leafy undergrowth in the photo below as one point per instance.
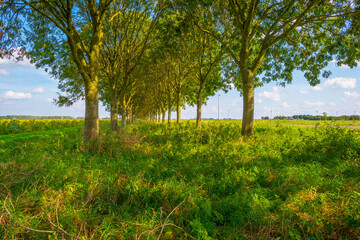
(156, 181)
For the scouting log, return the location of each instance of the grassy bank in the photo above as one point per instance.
(175, 182)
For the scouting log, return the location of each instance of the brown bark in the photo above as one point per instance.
(169, 115)
(90, 77)
(199, 104)
(114, 112)
(91, 129)
(169, 107)
(128, 118)
(123, 116)
(178, 107)
(248, 104)
(163, 115)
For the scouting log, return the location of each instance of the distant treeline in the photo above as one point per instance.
(317, 117)
(34, 117)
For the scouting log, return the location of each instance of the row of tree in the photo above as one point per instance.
(325, 117)
(317, 117)
(26, 117)
(145, 57)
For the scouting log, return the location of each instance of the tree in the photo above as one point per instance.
(78, 23)
(175, 46)
(347, 44)
(274, 38)
(160, 86)
(179, 74)
(207, 58)
(127, 37)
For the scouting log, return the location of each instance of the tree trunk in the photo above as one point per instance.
(114, 112)
(89, 73)
(128, 118)
(163, 115)
(123, 116)
(91, 129)
(248, 104)
(169, 107)
(169, 115)
(199, 103)
(178, 107)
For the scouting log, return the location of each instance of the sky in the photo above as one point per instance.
(25, 90)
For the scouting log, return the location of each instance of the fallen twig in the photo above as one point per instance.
(62, 231)
(164, 224)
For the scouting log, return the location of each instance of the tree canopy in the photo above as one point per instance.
(148, 57)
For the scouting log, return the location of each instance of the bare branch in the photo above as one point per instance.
(164, 224)
(62, 231)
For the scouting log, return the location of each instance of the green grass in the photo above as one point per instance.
(16, 126)
(285, 182)
(313, 123)
(21, 136)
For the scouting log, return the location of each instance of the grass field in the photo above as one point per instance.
(16, 126)
(159, 181)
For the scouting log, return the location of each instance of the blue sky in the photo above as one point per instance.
(25, 90)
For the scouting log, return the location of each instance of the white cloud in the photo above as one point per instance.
(230, 85)
(15, 95)
(4, 72)
(236, 103)
(285, 105)
(352, 95)
(335, 83)
(314, 104)
(50, 100)
(259, 100)
(7, 62)
(213, 109)
(303, 91)
(317, 88)
(12, 60)
(273, 95)
(37, 90)
(343, 65)
(343, 83)
(332, 104)
(267, 109)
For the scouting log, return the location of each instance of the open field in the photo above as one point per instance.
(314, 123)
(15, 126)
(159, 181)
